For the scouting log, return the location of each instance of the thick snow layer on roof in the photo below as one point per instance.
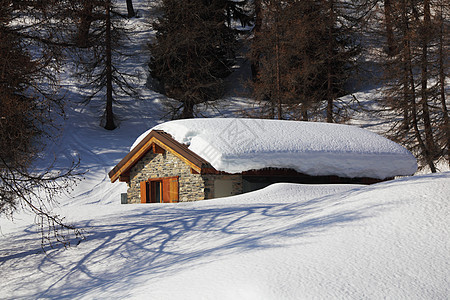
(234, 145)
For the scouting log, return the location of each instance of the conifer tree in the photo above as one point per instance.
(28, 109)
(98, 60)
(414, 74)
(302, 55)
(84, 13)
(192, 53)
(443, 42)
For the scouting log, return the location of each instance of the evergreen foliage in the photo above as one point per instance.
(302, 55)
(192, 53)
(100, 40)
(413, 74)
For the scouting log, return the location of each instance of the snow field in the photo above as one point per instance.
(287, 241)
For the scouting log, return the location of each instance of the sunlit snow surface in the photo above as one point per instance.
(287, 241)
(234, 145)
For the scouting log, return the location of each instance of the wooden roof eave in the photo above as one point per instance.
(166, 142)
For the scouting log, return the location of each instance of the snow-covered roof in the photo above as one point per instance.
(235, 145)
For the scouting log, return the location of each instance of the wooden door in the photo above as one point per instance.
(145, 192)
(170, 189)
(173, 189)
(158, 190)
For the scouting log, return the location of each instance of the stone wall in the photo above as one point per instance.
(192, 187)
(151, 165)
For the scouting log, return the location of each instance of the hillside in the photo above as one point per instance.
(287, 241)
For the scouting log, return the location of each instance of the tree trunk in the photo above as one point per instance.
(406, 117)
(85, 24)
(330, 99)
(188, 110)
(109, 91)
(425, 33)
(388, 19)
(228, 10)
(304, 112)
(446, 124)
(405, 104)
(130, 9)
(412, 93)
(256, 30)
(277, 58)
(330, 94)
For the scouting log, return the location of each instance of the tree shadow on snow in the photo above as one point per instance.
(155, 241)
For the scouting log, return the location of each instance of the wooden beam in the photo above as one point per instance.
(142, 151)
(124, 178)
(157, 149)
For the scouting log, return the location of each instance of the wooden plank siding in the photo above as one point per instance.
(145, 192)
(173, 189)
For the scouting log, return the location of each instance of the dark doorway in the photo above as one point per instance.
(155, 191)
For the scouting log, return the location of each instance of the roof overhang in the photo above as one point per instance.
(158, 141)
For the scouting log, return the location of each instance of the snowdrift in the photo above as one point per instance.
(288, 241)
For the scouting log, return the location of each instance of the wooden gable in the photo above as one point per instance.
(158, 141)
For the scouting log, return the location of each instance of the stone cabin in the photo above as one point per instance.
(162, 170)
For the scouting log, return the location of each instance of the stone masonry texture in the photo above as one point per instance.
(192, 187)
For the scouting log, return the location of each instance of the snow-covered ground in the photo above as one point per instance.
(287, 241)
